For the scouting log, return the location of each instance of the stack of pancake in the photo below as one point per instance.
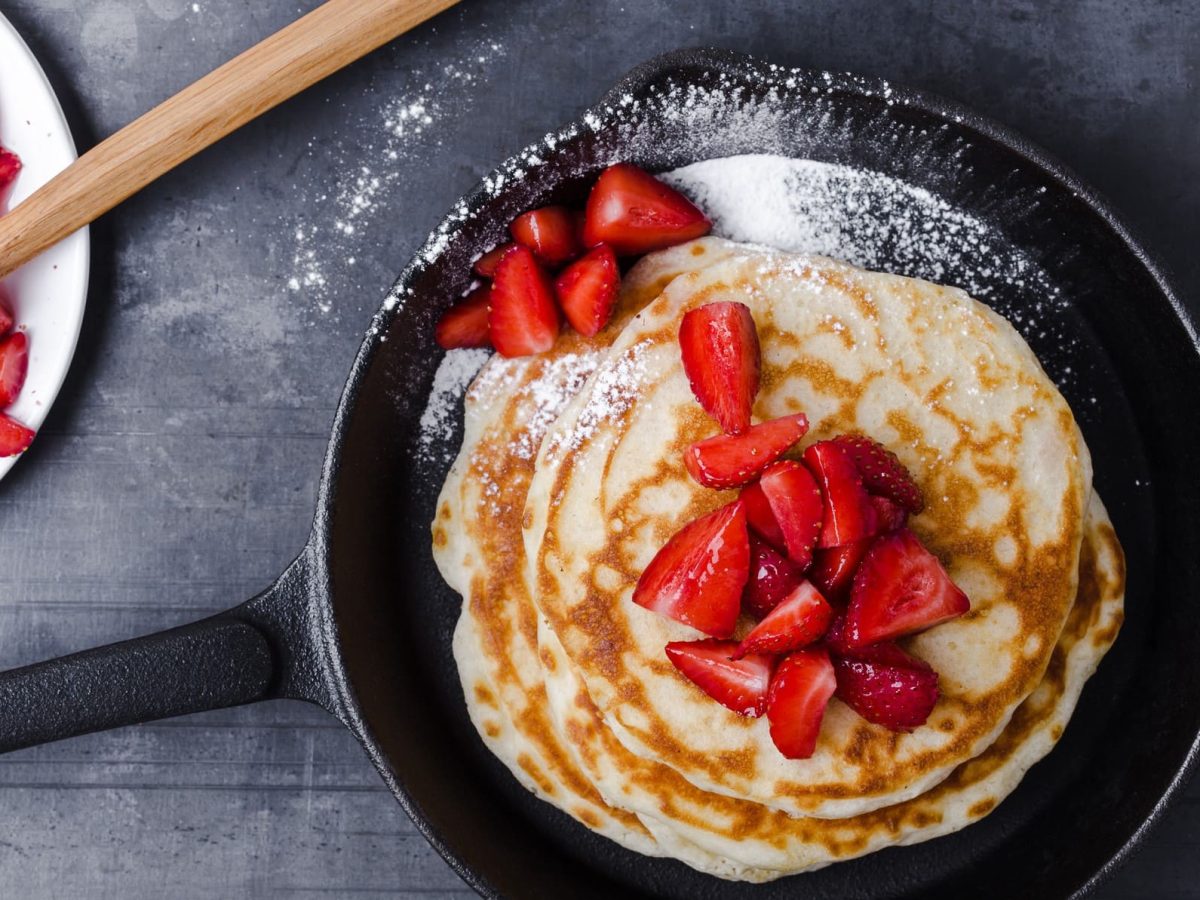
(571, 477)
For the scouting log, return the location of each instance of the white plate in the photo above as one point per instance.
(48, 292)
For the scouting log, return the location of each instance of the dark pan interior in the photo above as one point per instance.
(1119, 347)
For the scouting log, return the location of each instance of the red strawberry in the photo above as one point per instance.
(727, 461)
(759, 516)
(698, 576)
(549, 232)
(14, 437)
(740, 685)
(465, 324)
(636, 213)
(797, 621)
(889, 515)
(887, 686)
(881, 472)
(885, 653)
(795, 502)
(835, 637)
(900, 588)
(10, 165)
(14, 363)
(485, 266)
(771, 579)
(523, 318)
(6, 313)
(849, 515)
(833, 568)
(800, 691)
(721, 357)
(587, 290)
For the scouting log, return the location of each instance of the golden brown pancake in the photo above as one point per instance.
(930, 373)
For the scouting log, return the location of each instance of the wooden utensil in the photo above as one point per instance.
(319, 44)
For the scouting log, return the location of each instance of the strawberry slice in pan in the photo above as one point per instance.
(887, 686)
(848, 513)
(485, 266)
(800, 691)
(801, 618)
(795, 502)
(10, 165)
(14, 437)
(900, 588)
(14, 363)
(523, 318)
(740, 685)
(587, 290)
(833, 568)
(882, 473)
(698, 576)
(634, 212)
(731, 460)
(465, 324)
(889, 515)
(549, 232)
(772, 577)
(721, 356)
(759, 516)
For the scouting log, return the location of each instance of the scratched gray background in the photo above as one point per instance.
(176, 476)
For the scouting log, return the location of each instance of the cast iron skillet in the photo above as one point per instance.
(360, 623)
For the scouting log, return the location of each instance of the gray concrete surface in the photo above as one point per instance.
(177, 473)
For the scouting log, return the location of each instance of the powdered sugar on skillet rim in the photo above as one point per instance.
(865, 217)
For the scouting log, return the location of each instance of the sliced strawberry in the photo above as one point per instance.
(800, 691)
(14, 437)
(465, 324)
(10, 165)
(833, 568)
(882, 473)
(740, 685)
(887, 686)
(6, 312)
(485, 266)
(698, 576)
(14, 363)
(549, 232)
(835, 637)
(721, 357)
(801, 618)
(849, 515)
(731, 460)
(889, 515)
(635, 213)
(522, 318)
(759, 516)
(900, 588)
(587, 290)
(772, 577)
(885, 653)
(796, 504)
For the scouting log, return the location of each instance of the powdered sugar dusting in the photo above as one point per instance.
(373, 174)
(614, 390)
(457, 369)
(863, 217)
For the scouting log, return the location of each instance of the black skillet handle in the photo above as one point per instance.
(255, 652)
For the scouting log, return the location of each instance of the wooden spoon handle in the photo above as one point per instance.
(330, 37)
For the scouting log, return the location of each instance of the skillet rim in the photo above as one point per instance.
(742, 65)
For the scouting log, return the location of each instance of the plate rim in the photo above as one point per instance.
(81, 239)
